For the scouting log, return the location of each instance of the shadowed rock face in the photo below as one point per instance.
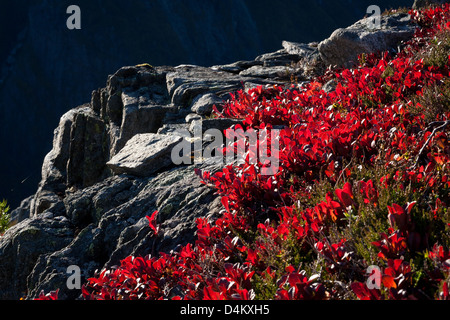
(21, 247)
(109, 168)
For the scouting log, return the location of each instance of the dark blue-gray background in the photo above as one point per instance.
(46, 69)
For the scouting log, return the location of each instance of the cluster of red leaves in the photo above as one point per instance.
(365, 120)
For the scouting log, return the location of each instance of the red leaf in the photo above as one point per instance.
(252, 256)
(210, 294)
(225, 203)
(445, 291)
(86, 294)
(152, 221)
(397, 263)
(396, 209)
(345, 195)
(360, 290)
(409, 206)
(398, 216)
(187, 251)
(388, 281)
(53, 295)
(290, 269)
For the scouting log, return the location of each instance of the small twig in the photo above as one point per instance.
(441, 125)
(342, 172)
(431, 125)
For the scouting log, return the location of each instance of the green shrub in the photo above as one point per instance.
(4, 217)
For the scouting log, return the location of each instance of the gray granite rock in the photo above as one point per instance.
(345, 44)
(144, 154)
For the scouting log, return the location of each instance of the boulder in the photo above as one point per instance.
(203, 104)
(345, 44)
(144, 154)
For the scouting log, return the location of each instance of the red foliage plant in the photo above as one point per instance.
(271, 222)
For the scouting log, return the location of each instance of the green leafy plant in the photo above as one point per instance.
(4, 217)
